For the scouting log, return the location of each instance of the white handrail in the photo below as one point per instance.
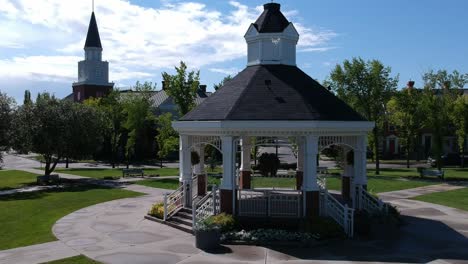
(173, 202)
(207, 206)
(194, 186)
(276, 203)
(368, 202)
(342, 214)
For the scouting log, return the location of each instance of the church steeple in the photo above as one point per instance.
(93, 40)
(272, 39)
(93, 73)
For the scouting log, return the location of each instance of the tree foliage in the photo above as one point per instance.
(137, 107)
(459, 118)
(441, 90)
(404, 112)
(366, 86)
(167, 138)
(56, 129)
(182, 87)
(222, 82)
(6, 113)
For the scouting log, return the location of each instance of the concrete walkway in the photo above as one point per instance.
(116, 232)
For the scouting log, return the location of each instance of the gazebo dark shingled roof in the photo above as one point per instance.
(92, 38)
(272, 92)
(271, 20)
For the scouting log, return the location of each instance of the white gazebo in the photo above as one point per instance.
(272, 99)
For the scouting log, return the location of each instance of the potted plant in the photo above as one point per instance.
(208, 232)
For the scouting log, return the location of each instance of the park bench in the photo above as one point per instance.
(132, 172)
(48, 179)
(432, 173)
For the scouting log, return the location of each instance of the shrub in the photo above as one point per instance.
(268, 164)
(195, 158)
(266, 235)
(222, 222)
(157, 210)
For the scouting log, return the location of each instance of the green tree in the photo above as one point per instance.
(459, 118)
(440, 92)
(367, 87)
(137, 107)
(6, 111)
(167, 138)
(182, 87)
(27, 97)
(113, 116)
(405, 112)
(56, 129)
(221, 84)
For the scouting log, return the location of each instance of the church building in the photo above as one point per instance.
(93, 72)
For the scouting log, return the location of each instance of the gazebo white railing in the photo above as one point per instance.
(368, 202)
(173, 202)
(266, 203)
(207, 206)
(342, 214)
(194, 186)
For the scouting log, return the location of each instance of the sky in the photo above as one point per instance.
(42, 40)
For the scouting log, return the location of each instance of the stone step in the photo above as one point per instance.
(186, 210)
(178, 219)
(185, 215)
(179, 226)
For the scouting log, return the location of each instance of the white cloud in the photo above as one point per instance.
(226, 71)
(138, 41)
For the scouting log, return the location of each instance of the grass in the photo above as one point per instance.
(170, 184)
(378, 185)
(456, 198)
(104, 173)
(11, 179)
(27, 218)
(74, 260)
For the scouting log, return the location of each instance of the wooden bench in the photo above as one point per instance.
(48, 179)
(132, 172)
(432, 173)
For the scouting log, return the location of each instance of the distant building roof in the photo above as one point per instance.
(92, 38)
(271, 20)
(272, 92)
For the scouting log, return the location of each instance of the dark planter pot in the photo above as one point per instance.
(207, 240)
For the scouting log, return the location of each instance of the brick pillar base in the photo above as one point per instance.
(345, 187)
(225, 197)
(299, 179)
(245, 178)
(312, 204)
(202, 181)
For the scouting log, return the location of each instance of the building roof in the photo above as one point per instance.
(92, 38)
(272, 92)
(271, 20)
(161, 97)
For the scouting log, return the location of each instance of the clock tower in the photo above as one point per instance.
(93, 73)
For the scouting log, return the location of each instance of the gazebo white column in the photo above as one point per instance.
(227, 188)
(200, 170)
(360, 162)
(185, 176)
(245, 170)
(310, 186)
(300, 163)
(348, 173)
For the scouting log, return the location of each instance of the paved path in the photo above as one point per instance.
(116, 232)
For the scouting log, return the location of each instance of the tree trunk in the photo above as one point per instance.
(47, 167)
(408, 148)
(462, 156)
(376, 150)
(66, 163)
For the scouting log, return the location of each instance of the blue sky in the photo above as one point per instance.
(42, 40)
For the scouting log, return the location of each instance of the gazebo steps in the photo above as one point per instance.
(182, 220)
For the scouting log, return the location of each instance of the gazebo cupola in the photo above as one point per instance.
(272, 39)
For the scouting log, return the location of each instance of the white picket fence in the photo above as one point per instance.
(274, 203)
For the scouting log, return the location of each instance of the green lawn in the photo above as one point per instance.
(103, 173)
(456, 198)
(170, 184)
(377, 185)
(27, 218)
(74, 260)
(11, 179)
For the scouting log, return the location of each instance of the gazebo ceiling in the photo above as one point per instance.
(273, 92)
